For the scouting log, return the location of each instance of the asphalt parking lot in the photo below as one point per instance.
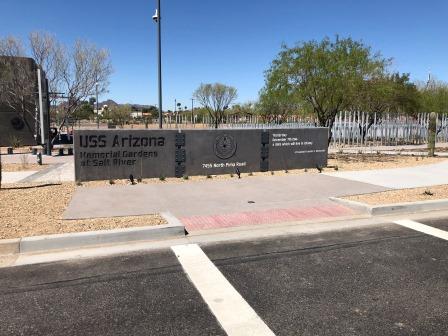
(386, 280)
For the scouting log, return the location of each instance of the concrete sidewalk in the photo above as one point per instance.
(222, 203)
(400, 178)
(55, 173)
(15, 177)
(19, 158)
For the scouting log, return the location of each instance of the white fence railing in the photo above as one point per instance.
(349, 129)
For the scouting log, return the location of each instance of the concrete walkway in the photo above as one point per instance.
(15, 177)
(55, 173)
(20, 158)
(400, 178)
(222, 203)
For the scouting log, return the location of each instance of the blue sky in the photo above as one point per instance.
(231, 41)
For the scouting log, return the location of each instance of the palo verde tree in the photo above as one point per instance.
(433, 97)
(387, 93)
(323, 76)
(276, 101)
(215, 98)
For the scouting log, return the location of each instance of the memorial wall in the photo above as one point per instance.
(117, 154)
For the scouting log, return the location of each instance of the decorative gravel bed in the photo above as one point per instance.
(17, 167)
(341, 162)
(347, 162)
(403, 195)
(36, 209)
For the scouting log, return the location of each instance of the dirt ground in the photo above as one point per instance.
(403, 195)
(340, 162)
(348, 162)
(25, 211)
(16, 167)
(18, 150)
(438, 149)
(36, 209)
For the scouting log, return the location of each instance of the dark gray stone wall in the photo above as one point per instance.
(14, 123)
(116, 154)
(298, 148)
(212, 152)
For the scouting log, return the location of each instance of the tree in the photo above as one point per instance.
(119, 114)
(84, 70)
(149, 113)
(77, 72)
(216, 98)
(152, 111)
(386, 93)
(434, 98)
(276, 103)
(84, 112)
(48, 54)
(323, 76)
(242, 110)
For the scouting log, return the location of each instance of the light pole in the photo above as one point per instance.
(97, 111)
(158, 18)
(192, 111)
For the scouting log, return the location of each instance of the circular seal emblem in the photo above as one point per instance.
(17, 123)
(225, 146)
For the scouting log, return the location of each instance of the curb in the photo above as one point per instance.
(9, 246)
(46, 243)
(396, 208)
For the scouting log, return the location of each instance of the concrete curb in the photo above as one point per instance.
(173, 229)
(396, 208)
(9, 246)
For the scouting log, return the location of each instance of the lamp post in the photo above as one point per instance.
(175, 111)
(192, 111)
(97, 111)
(157, 17)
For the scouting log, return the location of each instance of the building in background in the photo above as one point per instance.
(24, 102)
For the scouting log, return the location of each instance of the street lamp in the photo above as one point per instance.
(192, 111)
(97, 111)
(157, 17)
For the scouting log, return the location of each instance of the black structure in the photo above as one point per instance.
(21, 102)
(117, 154)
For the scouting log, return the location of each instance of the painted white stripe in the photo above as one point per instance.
(234, 314)
(423, 228)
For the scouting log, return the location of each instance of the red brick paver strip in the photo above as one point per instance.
(195, 223)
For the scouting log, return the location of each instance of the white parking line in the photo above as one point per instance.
(423, 228)
(235, 315)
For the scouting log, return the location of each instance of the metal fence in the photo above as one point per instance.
(350, 129)
(357, 129)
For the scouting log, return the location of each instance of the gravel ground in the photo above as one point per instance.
(16, 167)
(347, 162)
(25, 211)
(403, 195)
(175, 180)
(341, 162)
(18, 150)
